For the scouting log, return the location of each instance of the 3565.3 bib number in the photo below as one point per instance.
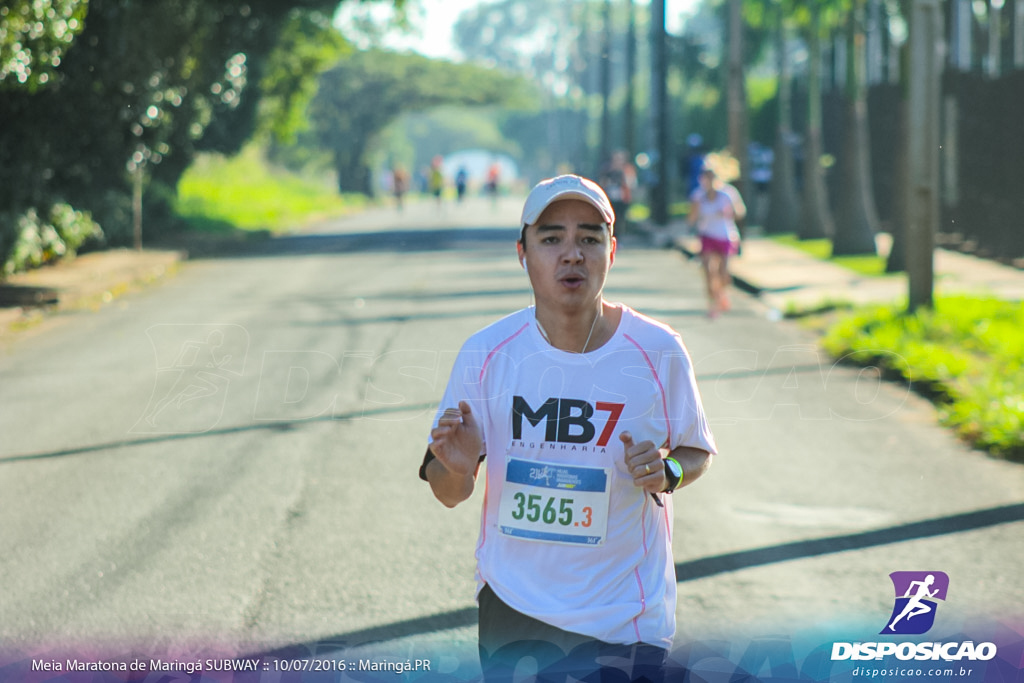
(554, 503)
(554, 510)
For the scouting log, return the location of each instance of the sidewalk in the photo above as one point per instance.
(792, 282)
(86, 281)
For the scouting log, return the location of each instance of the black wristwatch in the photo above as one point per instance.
(674, 474)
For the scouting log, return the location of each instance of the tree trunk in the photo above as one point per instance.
(857, 219)
(353, 174)
(815, 217)
(736, 96)
(1017, 7)
(783, 208)
(923, 150)
(897, 259)
(896, 262)
(659, 198)
(995, 40)
(605, 142)
(961, 39)
(629, 140)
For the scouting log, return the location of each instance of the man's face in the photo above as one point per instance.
(568, 252)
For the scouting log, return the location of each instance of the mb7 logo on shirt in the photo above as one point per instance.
(917, 594)
(567, 420)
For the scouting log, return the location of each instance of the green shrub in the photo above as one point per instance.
(27, 250)
(75, 228)
(967, 354)
(36, 242)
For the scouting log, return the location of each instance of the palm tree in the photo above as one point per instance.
(815, 217)
(783, 207)
(736, 92)
(897, 259)
(856, 217)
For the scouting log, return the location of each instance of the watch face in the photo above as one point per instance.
(675, 468)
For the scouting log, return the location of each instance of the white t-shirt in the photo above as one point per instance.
(717, 217)
(566, 537)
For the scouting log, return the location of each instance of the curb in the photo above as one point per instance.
(87, 281)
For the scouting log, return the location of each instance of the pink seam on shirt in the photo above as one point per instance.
(636, 570)
(643, 527)
(498, 348)
(483, 521)
(661, 388)
(643, 604)
(664, 405)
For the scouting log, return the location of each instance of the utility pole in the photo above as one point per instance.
(926, 45)
(659, 108)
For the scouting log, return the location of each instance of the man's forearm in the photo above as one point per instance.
(694, 461)
(448, 487)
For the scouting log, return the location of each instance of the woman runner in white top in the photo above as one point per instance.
(714, 208)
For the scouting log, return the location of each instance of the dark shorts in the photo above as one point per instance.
(509, 639)
(710, 245)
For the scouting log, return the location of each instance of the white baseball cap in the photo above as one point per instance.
(568, 186)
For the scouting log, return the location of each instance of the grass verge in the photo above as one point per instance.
(638, 213)
(869, 265)
(219, 194)
(967, 355)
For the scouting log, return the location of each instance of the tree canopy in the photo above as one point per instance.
(369, 89)
(94, 92)
(33, 37)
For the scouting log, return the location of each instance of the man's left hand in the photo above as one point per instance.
(646, 463)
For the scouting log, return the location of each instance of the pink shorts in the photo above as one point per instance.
(711, 245)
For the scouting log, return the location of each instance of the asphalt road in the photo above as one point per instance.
(227, 462)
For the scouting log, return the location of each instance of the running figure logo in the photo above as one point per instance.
(195, 366)
(917, 594)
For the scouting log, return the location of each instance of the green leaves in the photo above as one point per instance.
(968, 354)
(37, 240)
(136, 88)
(369, 89)
(308, 46)
(33, 37)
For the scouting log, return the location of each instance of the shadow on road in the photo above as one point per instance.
(289, 425)
(271, 426)
(685, 571)
(745, 559)
(390, 240)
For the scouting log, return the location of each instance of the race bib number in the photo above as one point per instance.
(554, 503)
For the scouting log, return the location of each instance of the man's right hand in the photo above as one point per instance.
(456, 441)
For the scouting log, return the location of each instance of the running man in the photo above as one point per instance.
(916, 604)
(197, 366)
(584, 415)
